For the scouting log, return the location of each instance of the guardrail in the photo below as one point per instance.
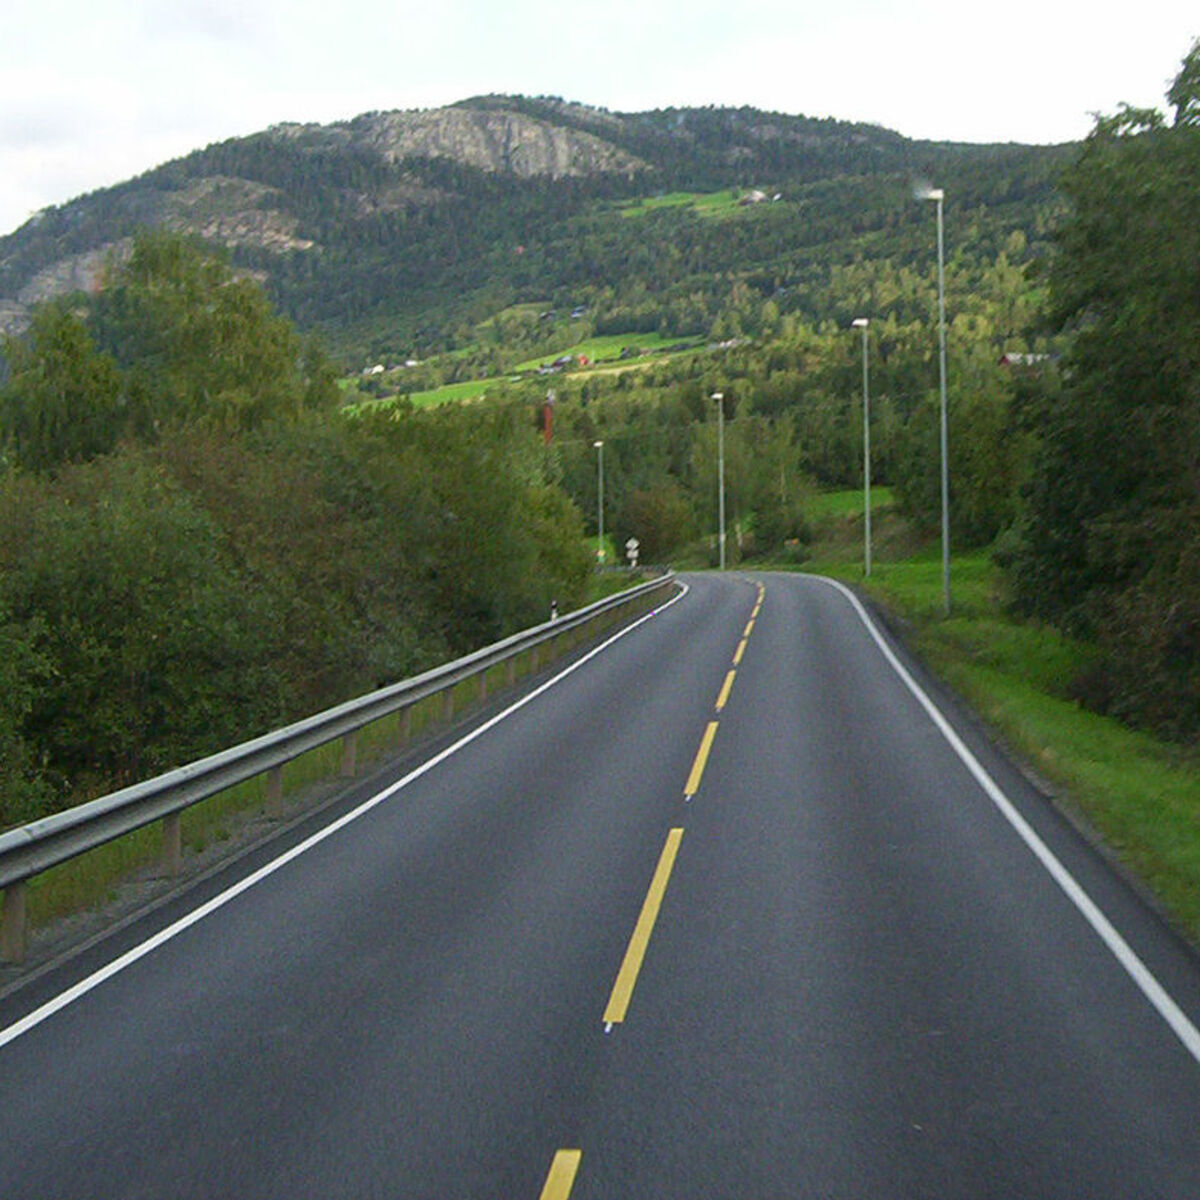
(30, 849)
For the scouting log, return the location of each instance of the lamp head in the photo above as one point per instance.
(859, 323)
(597, 445)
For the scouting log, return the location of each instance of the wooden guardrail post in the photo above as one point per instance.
(172, 843)
(349, 755)
(275, 791)
(14, 924)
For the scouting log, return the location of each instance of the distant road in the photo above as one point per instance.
(864, 959)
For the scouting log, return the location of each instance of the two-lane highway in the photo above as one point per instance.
(720, 912)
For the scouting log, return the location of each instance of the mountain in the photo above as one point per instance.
(395, 229)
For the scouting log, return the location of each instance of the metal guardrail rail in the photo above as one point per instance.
(30, 849)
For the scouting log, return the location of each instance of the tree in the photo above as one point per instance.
(201, 344)
(660, 517)
(24, 792)
(63, 401)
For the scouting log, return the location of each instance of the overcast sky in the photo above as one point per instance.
(94, 91)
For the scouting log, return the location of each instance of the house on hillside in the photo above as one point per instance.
(1024, 360)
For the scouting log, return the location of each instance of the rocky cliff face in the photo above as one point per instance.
(492, 141)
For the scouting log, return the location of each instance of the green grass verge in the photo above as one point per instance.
(1141, 795)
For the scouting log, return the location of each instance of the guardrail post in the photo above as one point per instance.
(13, 924)
(533, 660)
(448, 704)
(275, 791)
(349, 754)
(172, 843)
(510, 670)
(483, 684)
(405, 731)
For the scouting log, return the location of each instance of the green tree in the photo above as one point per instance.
(24, 792)
(199, 343)
(660, 516)
(63, 401)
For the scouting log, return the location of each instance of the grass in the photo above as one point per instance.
(1141, 795)
(705, 204)
(597, 349)
(848, 503)
(470, 389)
(608, 346)
(461, 393)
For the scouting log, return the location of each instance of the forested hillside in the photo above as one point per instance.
(396, 233)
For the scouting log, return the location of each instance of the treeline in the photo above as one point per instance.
(195, 546)
(1109, 542)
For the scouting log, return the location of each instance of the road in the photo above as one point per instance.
(725, 911)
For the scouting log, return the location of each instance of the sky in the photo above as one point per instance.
(94, 93)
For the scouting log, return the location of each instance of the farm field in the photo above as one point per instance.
(706, 204)
(609, 346)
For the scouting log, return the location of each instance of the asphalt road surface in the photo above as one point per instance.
(732, 909)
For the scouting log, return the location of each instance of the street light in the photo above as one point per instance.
(600, 505)
(719, 398)
(938, 195)
(864, 324)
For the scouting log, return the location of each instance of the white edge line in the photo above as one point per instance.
(1137, 970)
(80, 989)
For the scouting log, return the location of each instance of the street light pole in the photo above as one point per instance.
(864, 324)
(938, 195)
(719, 397)
(600, 505)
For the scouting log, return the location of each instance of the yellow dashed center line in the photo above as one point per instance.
(562, 1175)
(618, 1002)
(693, 783)
(565, 1165)
(726, 688)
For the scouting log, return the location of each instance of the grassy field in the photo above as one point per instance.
(849, 503)
(609, 346)
(471, 389)
(605, 349)
(1141, 795)
(707, 204)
